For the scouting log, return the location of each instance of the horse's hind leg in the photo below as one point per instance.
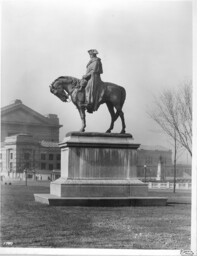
(112, 113)
(123, 122)
(120, 114)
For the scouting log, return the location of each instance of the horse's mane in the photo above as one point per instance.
(74, 80)
(66, 77)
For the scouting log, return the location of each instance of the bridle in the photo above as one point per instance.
(62, 95)
(60, 92)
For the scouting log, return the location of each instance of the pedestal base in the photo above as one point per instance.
(99, 170)
(53, 200)
(98, 188)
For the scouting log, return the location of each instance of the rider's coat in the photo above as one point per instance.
(94, 85)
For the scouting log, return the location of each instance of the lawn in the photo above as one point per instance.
(27, 223)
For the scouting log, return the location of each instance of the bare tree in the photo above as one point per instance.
(173, 113)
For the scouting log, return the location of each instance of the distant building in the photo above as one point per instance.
(17, 118)
(149, 158)
(154, 159)
(29, 141)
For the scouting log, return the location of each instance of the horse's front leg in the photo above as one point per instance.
(111, 111)
(83, 118)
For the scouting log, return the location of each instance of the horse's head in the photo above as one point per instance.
(57, 89)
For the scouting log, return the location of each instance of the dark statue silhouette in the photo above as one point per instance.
(111, 94)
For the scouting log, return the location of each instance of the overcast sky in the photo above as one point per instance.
(145, 46)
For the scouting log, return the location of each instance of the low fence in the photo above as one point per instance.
(31, 176)
(169, 185)
(151, 185)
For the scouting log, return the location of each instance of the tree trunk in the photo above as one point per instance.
(175, 156)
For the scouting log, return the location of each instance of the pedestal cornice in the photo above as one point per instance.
(90, 139)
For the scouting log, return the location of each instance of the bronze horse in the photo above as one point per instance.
(113, 95)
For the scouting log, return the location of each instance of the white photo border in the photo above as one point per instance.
(193, 251)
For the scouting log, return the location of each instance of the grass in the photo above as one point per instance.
(27, 223)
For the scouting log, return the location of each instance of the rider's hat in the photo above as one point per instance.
(94, 51)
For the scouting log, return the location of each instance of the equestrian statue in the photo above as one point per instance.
(88, 93)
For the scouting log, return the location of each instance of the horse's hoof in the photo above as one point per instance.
(82, 130)
(123, 132)
(108, 131)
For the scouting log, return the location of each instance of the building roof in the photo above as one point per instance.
(153, 148)
(19, 113)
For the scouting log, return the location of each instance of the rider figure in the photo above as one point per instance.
(91, 81)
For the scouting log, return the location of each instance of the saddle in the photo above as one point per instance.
(80, 88)
(83, 83)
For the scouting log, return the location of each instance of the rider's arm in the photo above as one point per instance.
(93, 68)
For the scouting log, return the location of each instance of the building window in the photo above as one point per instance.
(50, 166)
(43, 156)
(43, 166)
(50, 156)
(11, 166)
(11, 155)
(58, 157)
(0, 155)
(26, 156)
(1, 166)
(58, 166)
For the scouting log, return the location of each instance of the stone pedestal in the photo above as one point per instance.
(97, 169)
(98, 165)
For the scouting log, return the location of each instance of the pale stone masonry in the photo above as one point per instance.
(29, 140)
(98, 169)
(18, 118)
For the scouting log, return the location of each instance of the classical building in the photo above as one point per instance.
(18, 118)
(29, 141)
